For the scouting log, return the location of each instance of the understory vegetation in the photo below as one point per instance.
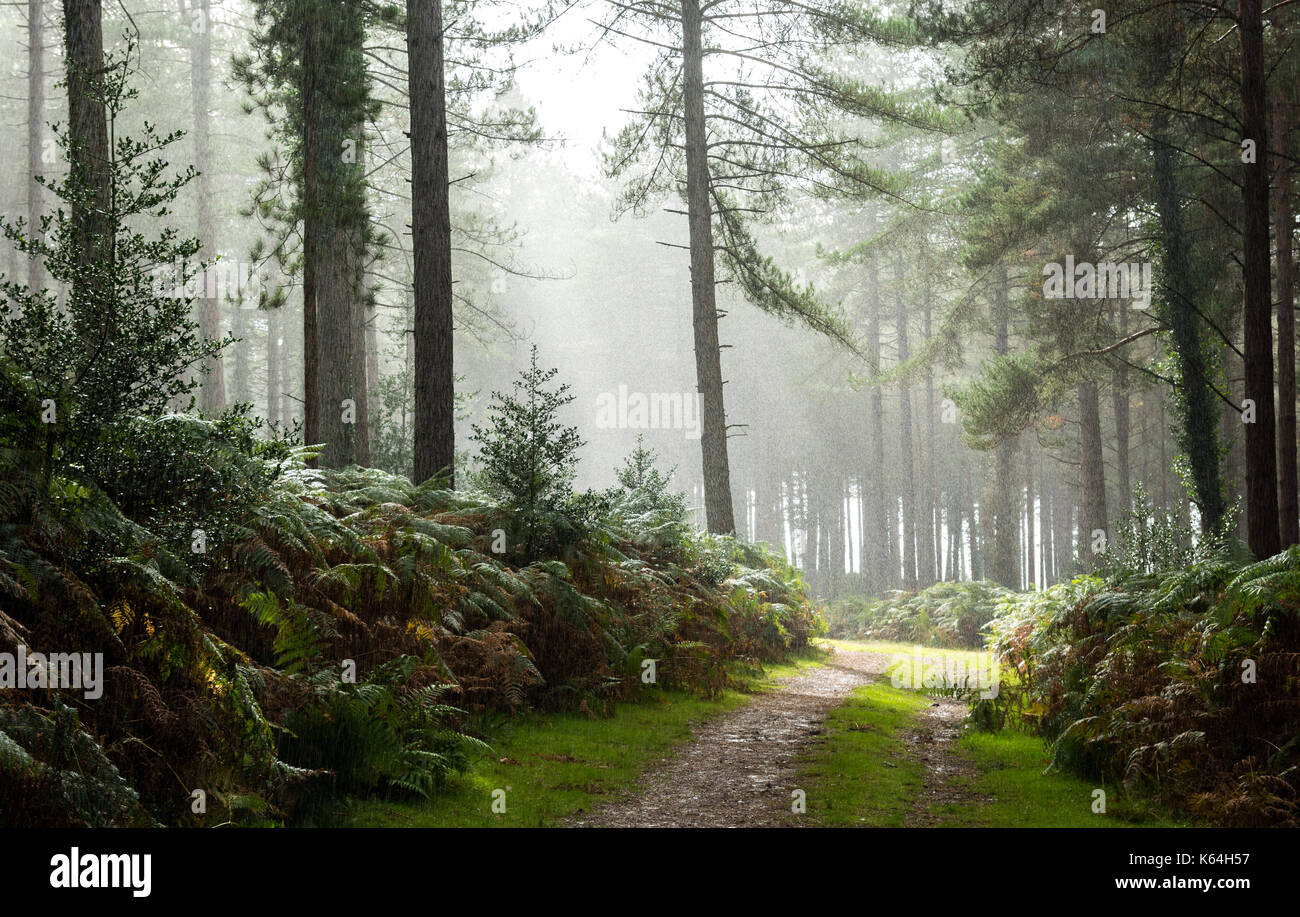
(947, 614)
(1181, 686)
(280, 637)
(1173, 672)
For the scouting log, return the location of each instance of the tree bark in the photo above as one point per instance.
(907, 460)
(312, 55)
(243, 391)
(1288, 503)
(1120, 399)
(1004, 519)
(1092, 475)
(1198, 426)
(929, 497)
(360, 298)
(882, 546)
(88, 128)
(435, 385)
(1257, 305)
(273, 357)
(212, 388)
(708, 356)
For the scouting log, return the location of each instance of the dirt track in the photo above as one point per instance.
(739, 770)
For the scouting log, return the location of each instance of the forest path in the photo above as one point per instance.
(930, 741)
(739, 770)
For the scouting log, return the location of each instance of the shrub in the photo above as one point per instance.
(945, 614)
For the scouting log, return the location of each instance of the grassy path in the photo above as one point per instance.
(824, 741)
(899, 757)
(738, 771)
(545, 769)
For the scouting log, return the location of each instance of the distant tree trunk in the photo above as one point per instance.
(1032, 576)
(1092, 474)
(435, 380)
(864, 515)
(372, 344)
(929, 498)
(1004, 520)
(977, 523)
(882, 526)
(1288, 504)
(907, 461)
(840, 534)
(1050, 574)
(239, 325)
(953, 523)
(273, 390)
(212, 390)
(35, 131)
(312, 57)
(1257, 311)
(1120, 397)
(708, 356)
(360, 389)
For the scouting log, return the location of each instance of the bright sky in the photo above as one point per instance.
(579, 94)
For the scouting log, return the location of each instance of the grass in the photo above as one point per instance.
(860, 771)
(553, 766)
(856, 772)
(1010, 766)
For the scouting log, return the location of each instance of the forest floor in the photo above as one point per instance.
(739, 770)
(839, 745)
(825, 740)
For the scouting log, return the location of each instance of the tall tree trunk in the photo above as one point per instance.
(35, 131)
(907, 460)
(336, 306)
(435, 381)
(1197, 436)
(881, 528)
(1092, 475)
(212, 389)
(1004, 518)
(708, 356)
(342, 230)
(1257, 305)
(312, 58)
(1288, 503)
(360, 310)
(88, 128)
